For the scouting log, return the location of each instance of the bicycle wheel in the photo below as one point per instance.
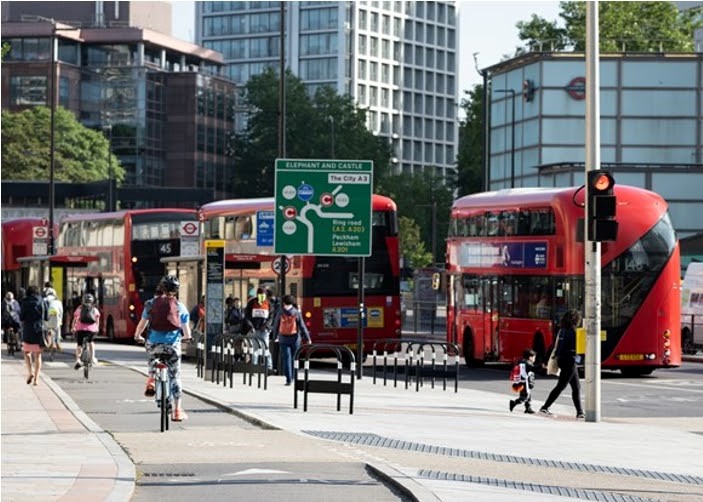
(163, 404)
(87, 360)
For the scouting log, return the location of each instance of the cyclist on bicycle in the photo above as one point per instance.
(86, 322)
(165, 343)
(10, 315)
(53, 322)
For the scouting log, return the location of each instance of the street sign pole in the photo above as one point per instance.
(323, 208)
(362, 318)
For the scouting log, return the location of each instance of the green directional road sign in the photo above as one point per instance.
(323, 207)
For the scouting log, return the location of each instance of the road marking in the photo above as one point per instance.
(663, 387)
(256, 471)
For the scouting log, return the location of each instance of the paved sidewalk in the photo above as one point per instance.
(438, 445)
(51, 450)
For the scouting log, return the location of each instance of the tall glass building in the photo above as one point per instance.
(398, 59)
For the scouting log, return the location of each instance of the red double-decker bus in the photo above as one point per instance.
(515, 264)
(18, 236)
(326, 287)
(121, 256)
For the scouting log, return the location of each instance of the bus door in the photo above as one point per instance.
(189, 271)
(490, 317)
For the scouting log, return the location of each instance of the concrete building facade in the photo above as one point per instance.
(651, 125)
(397, 59)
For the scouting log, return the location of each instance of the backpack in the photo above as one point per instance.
(7, 313)
(164, 315)
(87, 315)
(288, 325)
(515, 374)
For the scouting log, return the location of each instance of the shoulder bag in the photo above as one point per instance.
(552, 365)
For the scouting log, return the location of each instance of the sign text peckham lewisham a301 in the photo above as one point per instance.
(323, 207)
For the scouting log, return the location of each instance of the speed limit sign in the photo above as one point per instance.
(276, 265)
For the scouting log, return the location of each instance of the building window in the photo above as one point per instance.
(373, 71)
(318, 44)
(30, 91)
(264, 47)
(362, 69)
(318, 19)
(319, 69)
(64, 92)
(264, 22)
(362, 45)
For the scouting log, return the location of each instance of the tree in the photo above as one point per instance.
(412, 247)
(470, 156)
(315, 126)
(631, 26)
(80, 154)
(415, 196)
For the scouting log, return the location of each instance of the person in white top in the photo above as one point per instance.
(54, 319)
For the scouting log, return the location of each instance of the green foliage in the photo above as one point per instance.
(631, 26)
(412, 247)
(470, 155)
(416, 195)
(315, 126)
(6, 47)
(80, 154)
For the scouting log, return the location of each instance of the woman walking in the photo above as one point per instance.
(32, 311)
(567, 360)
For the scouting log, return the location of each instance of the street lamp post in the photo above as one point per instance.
(52, 192)
(512, 141)
(332, 132)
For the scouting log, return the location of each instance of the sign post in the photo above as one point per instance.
(214, 293)
(40, 241)
(190, 238)
(323, 208)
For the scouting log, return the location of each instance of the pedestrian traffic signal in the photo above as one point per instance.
(436, 278)
(528, 90)
(602, 207)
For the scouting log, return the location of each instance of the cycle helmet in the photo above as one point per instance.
(88, 298)
(170, 284)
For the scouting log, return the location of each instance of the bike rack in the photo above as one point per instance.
(411, 356)
(250, 346)
(307, 385)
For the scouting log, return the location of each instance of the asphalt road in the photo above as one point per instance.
(213, 459)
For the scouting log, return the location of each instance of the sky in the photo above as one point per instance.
(485, 27)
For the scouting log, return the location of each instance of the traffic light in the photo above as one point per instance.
(602, 207)
(436, 279)
(528, 90)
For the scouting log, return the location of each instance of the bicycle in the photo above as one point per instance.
(51, 343)
(12, 341)
(162, 385)
(86, 357)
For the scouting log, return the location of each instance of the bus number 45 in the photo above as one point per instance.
(165, 248)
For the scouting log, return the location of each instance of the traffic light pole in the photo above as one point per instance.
(592, 248)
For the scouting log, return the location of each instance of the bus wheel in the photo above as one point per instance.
(636, 371)
(110, 330)
(687, 343)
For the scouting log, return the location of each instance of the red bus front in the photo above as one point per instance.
(326, 287)
(129, 246)
(511, 280)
